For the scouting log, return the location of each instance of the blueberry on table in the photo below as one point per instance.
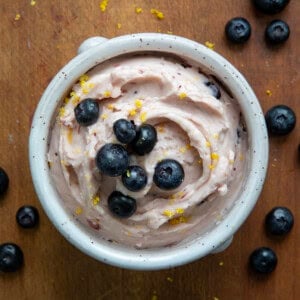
(238, 30)
(87, 112)
(168, 174)
(214, 88)
(121, 205)
(277, 32)
(124, 130)
(280, 120)
(279, 221)
(112, 159)
(27, 216)
(4, 181)
(134, 178)
(263, 260)
(145, 140)
(270, 6)
(11, 257)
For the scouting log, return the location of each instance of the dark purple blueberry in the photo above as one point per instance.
(280, 120)
(168, 174)
(134, 178)
(112, 159)
(270, 6)
(214, 89)
(4, 181)
(11, 257)
(263, 260)
(87, 112)
(277, 32)
(121, 205)
(238, 30)
(27, 216)
(279, 221)
(145, 140)
(124, 131)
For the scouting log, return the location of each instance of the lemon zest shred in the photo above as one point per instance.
(132, 112)
(210, 45)
(107, 94)
(138, 10)
(159, 15)
(17, 17)
(138, 103)
(182, 95)
(103, 4)
(178, 220)
(96, 200)
(78, 211)
(168, 213)
(143, 117)
(104, 116)
(214, 156)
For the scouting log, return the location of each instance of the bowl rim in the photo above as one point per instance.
(156, 258)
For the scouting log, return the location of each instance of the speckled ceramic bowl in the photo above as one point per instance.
(96, 50)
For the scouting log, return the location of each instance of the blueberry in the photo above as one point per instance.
(279, 221)
(146, 138)
(168, 174)
(277, 32)
(214, 88)
(11, 257)
(27, 216)
(121, 205)
(124, 131)
(263, 260)
(4, 181)
(238, 30)
(112, 159)
(280, 120)
(87, 112)
(270, 6)
(134, 178)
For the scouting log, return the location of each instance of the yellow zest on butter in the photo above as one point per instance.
(211, 167)
(214, 156)
(78, 211)
(132, 112)
(104, 116)
(103, 5)
(84, 78)
(143, 116)
(96, 200)
(231, 161)
(182, 150)
(138, 103)
(179, 210)
(182, 96)
(62, 112)
(138, 10)
(107, 94)
(168, 213)
(70, 135)
(159, 15)
(216, 136)
(210, 45)
(208, 144)
(178, 220)
(110, 106)
(75, 98)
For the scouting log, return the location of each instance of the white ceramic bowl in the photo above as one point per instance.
(96, 50)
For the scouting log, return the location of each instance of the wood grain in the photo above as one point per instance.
(37, 45)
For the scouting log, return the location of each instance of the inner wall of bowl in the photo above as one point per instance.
(83, 237)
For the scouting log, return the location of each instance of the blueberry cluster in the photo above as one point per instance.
(238, 30)
(113, 158)
(11, 255)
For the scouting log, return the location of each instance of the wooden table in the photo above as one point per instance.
(36, 41)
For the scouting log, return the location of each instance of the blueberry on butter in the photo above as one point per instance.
(145, 140)
(124, 131)
(87, 112)
(121, 205)
(134, 178)
(168, 174)
(112, 159)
